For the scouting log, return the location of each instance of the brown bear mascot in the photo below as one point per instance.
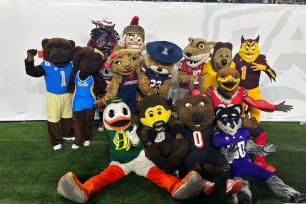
(85, 84)
(56, 69)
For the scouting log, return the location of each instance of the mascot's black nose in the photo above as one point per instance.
(224, 62)
(158, 124)
(197, 118)
(159, 69)
(127, 67)
(188, 54)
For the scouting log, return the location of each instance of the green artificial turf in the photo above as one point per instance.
(30, 168)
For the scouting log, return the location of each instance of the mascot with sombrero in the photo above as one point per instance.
(126, 155)
(159, 60)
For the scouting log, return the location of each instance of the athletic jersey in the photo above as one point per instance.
(56, 78)
(197, 139)
(249, 77)
(121, 149)
(156, 80)
(217, 99)
(197, 72)
(221, 139)
(83, 95)
(127, 90)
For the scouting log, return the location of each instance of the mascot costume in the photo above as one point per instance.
(104, 37)
(133, 37)
(125, 64)
(85, 84)
(228, 92)
(159, 60)
(195, 55)
(196, 113)
(56, 69)
(250, 63)
(126, 155)
(234, 144)
(159, 130)
(221, 57)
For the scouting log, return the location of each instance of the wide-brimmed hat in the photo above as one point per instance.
(164, 51)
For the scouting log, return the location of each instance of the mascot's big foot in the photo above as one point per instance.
(189, 186)
(70, 188)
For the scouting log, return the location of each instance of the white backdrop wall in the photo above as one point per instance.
(24, 23)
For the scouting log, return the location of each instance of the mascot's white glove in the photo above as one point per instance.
(132, 135)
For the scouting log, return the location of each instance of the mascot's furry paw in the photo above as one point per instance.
(70, 188)
(244, 196)
(189, 186)
(301, 198)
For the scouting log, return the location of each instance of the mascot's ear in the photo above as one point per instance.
(44, 42)
(257, 39)
(211, 44)
(111, 58)
(238, 107)
(229, 45)
(218, 109)
(77, 56)
(171, 105)
(242, 39)
(72, 43)
(190, 39)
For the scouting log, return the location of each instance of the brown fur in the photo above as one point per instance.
(185, 113)
(191, 51)
(222, 55)
(63, 52)
(144, 83)
(125, 56)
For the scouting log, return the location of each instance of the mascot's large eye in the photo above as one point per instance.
(151, 114)
(131, 38)
(118, 63)
(159, 111)
(220, 55)
(201, 46)
(253, 47)
(125, 111)
(139, 39)
(111, 113)
(132, 59)
(247, 47)
(234, 118)
(226, 55)
(188, 105)
(201, 103)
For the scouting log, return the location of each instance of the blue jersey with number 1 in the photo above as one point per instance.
(56, 78)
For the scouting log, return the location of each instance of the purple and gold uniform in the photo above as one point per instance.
(241, 165)
(249, 77)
